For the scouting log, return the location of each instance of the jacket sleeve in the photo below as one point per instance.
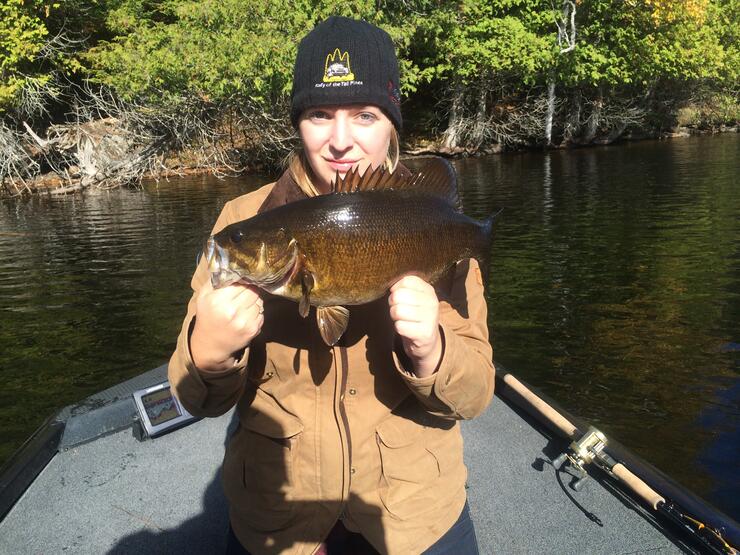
(205, 393)
(462, 386)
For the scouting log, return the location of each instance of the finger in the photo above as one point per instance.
(258, 306)
(414, 331)
(247, 295)
(417, 299)
(248, 324)
(251, 288)
(237, 293)
(411, 282)
(410, 297)
(409, 313)
(249, 312)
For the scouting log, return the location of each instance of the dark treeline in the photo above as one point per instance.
(104, 92)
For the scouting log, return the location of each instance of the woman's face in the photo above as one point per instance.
(338, 138)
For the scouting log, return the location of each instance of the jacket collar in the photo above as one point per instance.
(286, 190)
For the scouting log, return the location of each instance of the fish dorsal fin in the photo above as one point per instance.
(437, 177)
(372, 180)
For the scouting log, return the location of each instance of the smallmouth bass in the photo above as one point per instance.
(349, 246)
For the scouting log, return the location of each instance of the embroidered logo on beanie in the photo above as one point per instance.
(337, 67)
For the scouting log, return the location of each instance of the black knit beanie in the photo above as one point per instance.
(346, 61)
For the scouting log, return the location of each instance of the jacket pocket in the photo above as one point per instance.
(267, 440)
(409, 469)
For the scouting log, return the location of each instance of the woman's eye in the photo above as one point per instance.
(367, 117)
(319, 114)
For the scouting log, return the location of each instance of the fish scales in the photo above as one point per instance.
(361, 243)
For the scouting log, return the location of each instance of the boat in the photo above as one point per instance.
(91, 480)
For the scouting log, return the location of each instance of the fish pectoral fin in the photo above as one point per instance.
(307, 283)
(332, 321)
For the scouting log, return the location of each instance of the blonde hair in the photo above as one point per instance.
(300, 169)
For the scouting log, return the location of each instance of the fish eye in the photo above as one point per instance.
(236, 235)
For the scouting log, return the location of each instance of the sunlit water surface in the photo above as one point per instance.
(615, 289)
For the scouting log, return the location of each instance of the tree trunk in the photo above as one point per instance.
(479, 130)
(453, 132)
(565, 22)
(573, 127)
(594, 119)
(550, 111)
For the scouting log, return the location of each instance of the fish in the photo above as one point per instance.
(349, 246)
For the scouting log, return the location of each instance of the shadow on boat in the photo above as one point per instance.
(207, 532)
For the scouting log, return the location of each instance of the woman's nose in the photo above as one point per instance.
(341, 135)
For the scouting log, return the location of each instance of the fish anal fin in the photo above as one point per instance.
(307, 283)
(332, 321)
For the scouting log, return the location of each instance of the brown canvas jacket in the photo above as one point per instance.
(345, 431)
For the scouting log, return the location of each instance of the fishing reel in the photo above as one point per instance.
(588, 449)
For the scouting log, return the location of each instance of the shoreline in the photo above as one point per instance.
(51, 183)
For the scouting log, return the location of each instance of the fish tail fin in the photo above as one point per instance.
(484, 247)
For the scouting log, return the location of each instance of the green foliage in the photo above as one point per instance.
(39, 46)
(22, 36)
(216, 49)
(158, 51)
(478, 42)
(717, 110)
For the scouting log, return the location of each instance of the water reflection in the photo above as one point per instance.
(615, 288)
(615, 280)
(92, 290)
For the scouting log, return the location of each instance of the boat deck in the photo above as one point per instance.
(119, 495)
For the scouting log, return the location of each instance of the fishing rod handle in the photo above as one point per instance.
(637, 485)
(557, 419)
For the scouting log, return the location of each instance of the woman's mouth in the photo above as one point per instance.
(342, 165)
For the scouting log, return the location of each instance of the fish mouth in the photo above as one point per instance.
(217, 259)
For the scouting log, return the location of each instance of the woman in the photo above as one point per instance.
(354, 448)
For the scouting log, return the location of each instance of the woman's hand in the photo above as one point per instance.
(226, 320)
(414, 309)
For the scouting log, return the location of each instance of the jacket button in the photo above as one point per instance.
(269, 374)
(352, 391)
(352, 470)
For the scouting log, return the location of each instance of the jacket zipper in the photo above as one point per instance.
(343, 368)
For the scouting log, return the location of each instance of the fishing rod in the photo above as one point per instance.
(592, 448)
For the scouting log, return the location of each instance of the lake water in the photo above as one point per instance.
(615, 289)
